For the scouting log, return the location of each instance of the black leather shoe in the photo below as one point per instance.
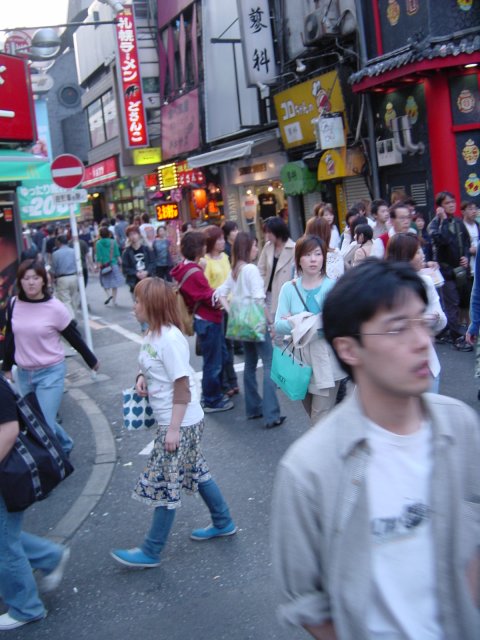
(277, 423)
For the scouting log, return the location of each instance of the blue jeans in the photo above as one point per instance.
(229, 376)
(20, 553)
(254, 404)
(48, 384)
(214, 354)
(163, 518)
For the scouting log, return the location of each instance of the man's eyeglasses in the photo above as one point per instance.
(404, 327)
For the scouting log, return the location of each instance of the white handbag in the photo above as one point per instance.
(137, 411)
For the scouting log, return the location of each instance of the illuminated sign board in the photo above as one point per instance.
(150, 155)
(167, 211)
(167, 177)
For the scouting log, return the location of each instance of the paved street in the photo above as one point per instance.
(221, 589)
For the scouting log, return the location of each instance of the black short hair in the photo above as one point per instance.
(360, 220)
(353, 211)
(192, 245)
(363, 291)
(278, 227)
(228, 227)
(440, 197)
(376, 204)
(365, 230)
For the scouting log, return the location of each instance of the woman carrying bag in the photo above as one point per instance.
(243, 296)
(21, 553)
(107, 256)
(35, 325)
(299, 300)
(176, 461)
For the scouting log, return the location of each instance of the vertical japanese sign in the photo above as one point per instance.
(130, 80)
(17, 117)
(257, 41)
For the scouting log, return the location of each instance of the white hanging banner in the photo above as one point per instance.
(257, 41)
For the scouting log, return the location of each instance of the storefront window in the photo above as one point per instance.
(259, 202)
(102, 119)
(95, 123)
(110, 115)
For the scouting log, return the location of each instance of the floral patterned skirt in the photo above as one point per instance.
(168, 472)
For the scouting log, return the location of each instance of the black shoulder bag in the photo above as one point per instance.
(36, 463)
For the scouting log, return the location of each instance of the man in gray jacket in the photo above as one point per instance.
(376, 511)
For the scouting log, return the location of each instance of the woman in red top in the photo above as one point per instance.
(199, 297)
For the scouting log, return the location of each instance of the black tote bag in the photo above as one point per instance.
(36, 464)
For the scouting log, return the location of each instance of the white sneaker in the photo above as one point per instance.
(52, 580)
(7, 623)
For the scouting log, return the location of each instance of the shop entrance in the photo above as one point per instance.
(259, 202)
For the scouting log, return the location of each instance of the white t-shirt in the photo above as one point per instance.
(403, 605)
(334, 237)
(164, 358)
(473, 233)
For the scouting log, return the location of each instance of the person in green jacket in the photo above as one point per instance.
(107, 256)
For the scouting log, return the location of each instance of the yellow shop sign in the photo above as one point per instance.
(148, 155)
(298, 107)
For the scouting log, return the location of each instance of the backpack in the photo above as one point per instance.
(186, 315)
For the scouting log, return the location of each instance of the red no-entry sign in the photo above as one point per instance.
(67, 171)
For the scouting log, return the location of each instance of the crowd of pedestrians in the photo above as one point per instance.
(364, 305)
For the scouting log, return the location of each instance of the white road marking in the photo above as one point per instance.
(134, 337)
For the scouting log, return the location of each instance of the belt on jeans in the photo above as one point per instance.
(64, 275)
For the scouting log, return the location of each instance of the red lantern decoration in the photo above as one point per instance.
(200, 198)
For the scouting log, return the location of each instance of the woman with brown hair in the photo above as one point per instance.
(37, 322)
(177, 460)
(327, 214)
(320, 227)
(245, 285)
(308, 293)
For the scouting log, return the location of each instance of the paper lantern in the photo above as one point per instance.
(200, 198)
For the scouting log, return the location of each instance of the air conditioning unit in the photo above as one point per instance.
(348, 13)
(387, 153)
(322, 22)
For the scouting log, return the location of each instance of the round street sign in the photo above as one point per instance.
(17, 43)
(67, 171)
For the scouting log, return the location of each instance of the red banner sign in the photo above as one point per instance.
(150, 180)
(17, 115)
(100, 172)
(193, 176)
(130, 80)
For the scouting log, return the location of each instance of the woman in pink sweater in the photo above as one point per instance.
(36, 322)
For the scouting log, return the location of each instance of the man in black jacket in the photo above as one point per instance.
(451, 244)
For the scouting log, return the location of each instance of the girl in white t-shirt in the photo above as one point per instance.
(176, 461)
